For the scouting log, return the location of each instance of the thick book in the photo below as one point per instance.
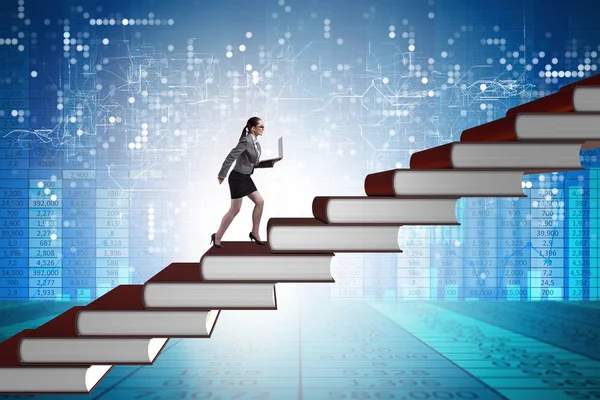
(392, 210)
(57, 342)
(180, 286)
(522, 156)
(249, 262)
(570, 127)
(438, 183)
(313, 235)
(16, 378)
(575, 98)
(121, 313)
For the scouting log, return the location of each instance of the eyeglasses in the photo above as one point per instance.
(260, 126)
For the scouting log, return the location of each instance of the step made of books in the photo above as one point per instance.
(131, 324)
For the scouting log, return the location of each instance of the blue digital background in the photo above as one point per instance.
(116, 117)
(112, 133)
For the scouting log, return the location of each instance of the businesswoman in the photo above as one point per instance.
(247, 155)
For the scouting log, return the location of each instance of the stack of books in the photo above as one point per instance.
(132, 323)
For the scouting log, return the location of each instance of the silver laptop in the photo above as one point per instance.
(279, 152)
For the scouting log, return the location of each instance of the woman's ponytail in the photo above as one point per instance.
(244, 132)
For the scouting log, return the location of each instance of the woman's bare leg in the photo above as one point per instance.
(234, 209)
(257, 212)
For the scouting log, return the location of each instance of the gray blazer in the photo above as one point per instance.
(245, 156)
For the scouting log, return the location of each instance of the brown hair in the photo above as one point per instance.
(251, 123)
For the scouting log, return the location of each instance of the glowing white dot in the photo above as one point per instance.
(131, 145)
(131, 100)
(14, 113)
(229, 54)
(424, 80)
(34, 74)
(431, 93)
(59, 106)
(40, 184)
(431, 15)
(164, 119)
(248, 67)
(242, 47)
(53, 236)
(340, 41)
(112, 119)
(138, 145)
(105, 41)
(483, 106)
(53, 197)
(392, 35)
(73, 120)
(144, 126)
(385, 81)
(248, 35)
(411, 47)
(313, 67)
(125, 21)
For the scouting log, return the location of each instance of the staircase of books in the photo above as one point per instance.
(131, 323)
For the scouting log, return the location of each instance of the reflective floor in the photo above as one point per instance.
(357, 350)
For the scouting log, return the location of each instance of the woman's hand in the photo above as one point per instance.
(220, 180)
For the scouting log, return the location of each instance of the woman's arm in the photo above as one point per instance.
(232, 156)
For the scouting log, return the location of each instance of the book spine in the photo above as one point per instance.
(319, 208)
(434, 158)
(500, 130)
(380, 184)
(561, 101)
(10, 354)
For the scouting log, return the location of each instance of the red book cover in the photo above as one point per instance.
(434, 158)
(179, 272)
(123, 297)
(9, 349)
(500, 130)
(62, 326)
(589, 81)
(561, 101)
(380, 183)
